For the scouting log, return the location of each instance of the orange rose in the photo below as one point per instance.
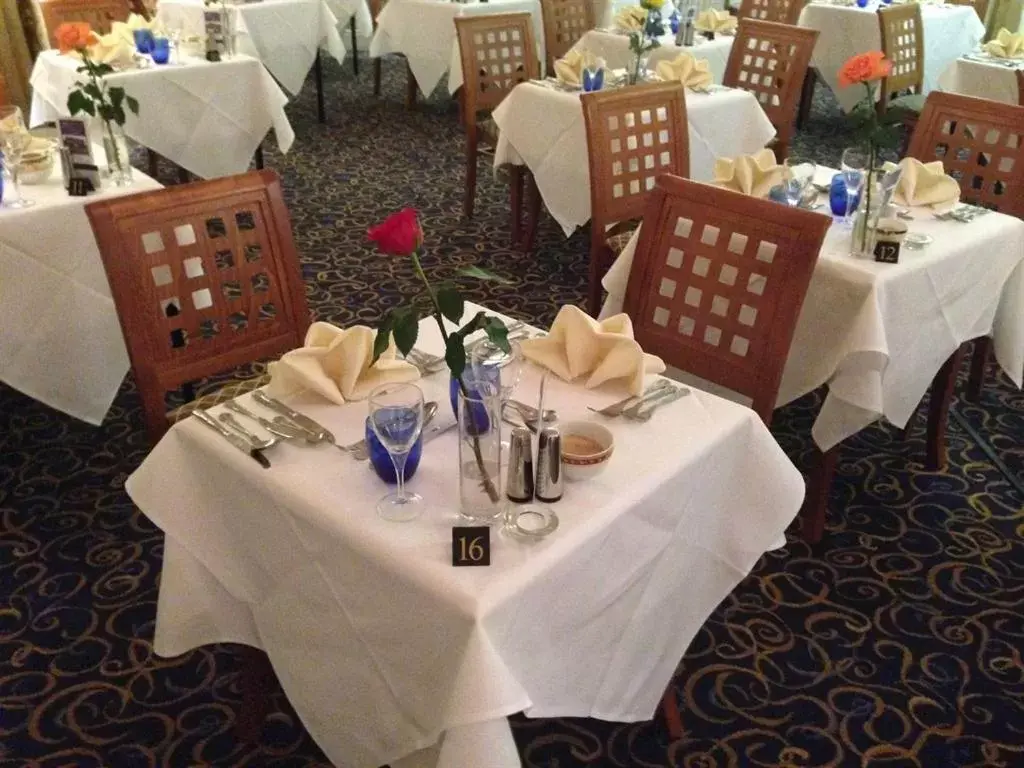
(73, 36)
(864, 68)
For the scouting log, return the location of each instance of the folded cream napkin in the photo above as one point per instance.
(684, 68)
(569, 69)
(113, 49)
(753, 175)
(713, 20)
(335, 363)
(926, 184)
(631, 18)
(1007, 45)
(602, 351)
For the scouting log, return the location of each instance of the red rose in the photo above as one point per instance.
(399, 234)
(864, 68)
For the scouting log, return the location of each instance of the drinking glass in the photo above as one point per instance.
(396, 417)
(143, 40)
(854, 166)
(161, 51)
(491, 363)
(798, 176)
(14, 140)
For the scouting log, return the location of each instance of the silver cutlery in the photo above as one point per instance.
(616, 409)
(647, 409)
(235, 439)
(635, 410)
(257, 442)
(529, 413)
(426, 363)
(280, 426)
(319, 433)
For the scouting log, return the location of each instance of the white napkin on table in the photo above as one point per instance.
(926, 184)
(692, 72)
(605, 351)
(1006, 45)
(753, 175)
(569, 68)
(713, 20)
(335, 363)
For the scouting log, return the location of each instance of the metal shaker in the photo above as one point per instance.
(519, 485)
(549, 465)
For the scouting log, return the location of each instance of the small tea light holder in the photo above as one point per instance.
(889, 237)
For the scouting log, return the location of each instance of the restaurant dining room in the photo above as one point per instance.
(512, 384)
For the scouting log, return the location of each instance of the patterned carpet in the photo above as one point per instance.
(896, 642)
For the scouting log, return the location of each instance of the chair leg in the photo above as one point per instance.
(318, 72)
(781, 149)
(376, 77)
(941, 398)
(355, 48)
(812, 524)
(806, 97)
(516, 185)
(184, 177)
(257, 686)
(258, 158)
(410, 87)
(532, 196)
(471, 157)
(600, 256)
(670, 711)
(152, 158)
(979, 361)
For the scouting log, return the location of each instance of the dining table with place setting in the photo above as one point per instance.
(994, 71)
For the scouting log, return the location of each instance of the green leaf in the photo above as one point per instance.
(383, 338)
(451, 303)
(116, 96)
(102, 69)
(79, 102)
(133, 104)
(497, 333)
(91, 89)
(482, 274)
(406, 329)
(455, 354)
(476, 322)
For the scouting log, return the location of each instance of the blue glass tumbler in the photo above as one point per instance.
(487, 378)
(837, 197)
(673, 22)
(143, 40)
(161, 51)
(593, 79)
(380, 459)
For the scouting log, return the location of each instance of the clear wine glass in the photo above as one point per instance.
(396, 417)
(489, 362)
(14, 140)
(799, 176)
(854, 166)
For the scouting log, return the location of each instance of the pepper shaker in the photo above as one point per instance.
(549, 465)
(519, 485)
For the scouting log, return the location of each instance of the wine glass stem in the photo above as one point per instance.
(15, 185)
(850, 197)
(399, 463)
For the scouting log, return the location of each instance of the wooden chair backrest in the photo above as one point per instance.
(980, 6)
(204, 277)
(779, 11)
(980, 144)
(902, 35)
(100, 14)
(634, 135)
(3, 90)
(565, 22)
(498, 52)
(770, 60)
(717, 283)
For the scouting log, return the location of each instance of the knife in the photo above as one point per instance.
(645, 411)
(299, 418)
(236, 440)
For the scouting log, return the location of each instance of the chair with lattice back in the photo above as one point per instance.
(565, 22)
(902, 35)
(498, 53)
(204, 278)
(633, 136)
(780, 11)
(100, 14)
(980, 7)
(770, 60)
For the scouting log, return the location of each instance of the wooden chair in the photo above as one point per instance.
(1020, 87)
(3, 89)
(376, 6)
(565, 22)
(980, 7)
(779, 11)
(902, 35)
(981, 145)
(770, 60)
(498, 53)
(100, 14)
(204, 277)
(633, 136)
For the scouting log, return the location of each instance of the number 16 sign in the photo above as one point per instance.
(471, 545)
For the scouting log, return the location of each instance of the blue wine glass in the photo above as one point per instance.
(837, 196)
(143, 40)
(673, 22)
(381, 461)
(396, 418)
(593, 79)
(161, 51)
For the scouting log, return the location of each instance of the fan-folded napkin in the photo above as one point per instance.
(713, 20)
(1007, 45)
(684, 68)
(753, 175)
(578, 345)
(569, 69)
(335, 363)
(926, 184)
(631, 18)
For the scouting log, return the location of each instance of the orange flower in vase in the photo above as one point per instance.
(864, 68)
(73, 36)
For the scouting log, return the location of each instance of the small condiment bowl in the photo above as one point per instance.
(37, 162)
(586, 449)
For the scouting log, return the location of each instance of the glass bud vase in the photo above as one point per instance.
(479, 417)
(865, 223)
(115, 145)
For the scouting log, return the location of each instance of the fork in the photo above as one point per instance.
(617, 408)
(646, 410)
(665, 393)
(258, 442)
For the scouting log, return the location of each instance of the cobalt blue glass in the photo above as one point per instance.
(161, 51)
(837, 196)
(778, 194)
(593, 79)
(673, 22)
(143, 40)
(863, 3)
(489, 375)
(381, 459)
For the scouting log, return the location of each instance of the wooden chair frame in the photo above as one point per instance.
(633, 135)
(902, 36)
(204, 277)
(565, 22)
(770, 60)
(778, 11)
(980, 7)
(100, 14)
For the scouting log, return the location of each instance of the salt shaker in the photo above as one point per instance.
(519, 486)
(549, 465)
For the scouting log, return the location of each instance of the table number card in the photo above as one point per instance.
(887, 252)
(471, 545)
(82, 175)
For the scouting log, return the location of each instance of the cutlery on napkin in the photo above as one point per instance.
(1006, 45)
(713, 20)
(926, 184)
(335, 363)
(605, 351)
(692, 72)
(569, 69)
(630, 19)
(753, 175)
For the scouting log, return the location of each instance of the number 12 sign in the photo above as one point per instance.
(471, 545)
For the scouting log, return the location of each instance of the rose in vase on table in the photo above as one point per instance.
(644, 38)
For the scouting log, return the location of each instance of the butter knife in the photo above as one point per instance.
(235, 439)
(301, 419)
(646, 410)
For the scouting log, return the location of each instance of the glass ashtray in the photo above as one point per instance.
(530, 521)
(916, 241)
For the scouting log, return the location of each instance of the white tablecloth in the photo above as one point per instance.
(984, 80)
(878, 333)
(344, 10)
(949, 32)
(284, 34)
(614, 49)
(207, 118)
(382, 646)
(424, 31)
(60, 341)
(543, 129)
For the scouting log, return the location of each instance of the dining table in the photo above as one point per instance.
(208, 118)
(541, 126)
(61, 340)
(984, 76)
(388, 653)
(613, 46)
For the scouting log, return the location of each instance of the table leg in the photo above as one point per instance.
(318, 73)
(979, 361)
(184, 177)
(257, 687)
(152, 159)
(355, 49)
(816, 500)
(258, 158)
(938, 410)
(532, 212)
(516, 181)
(806, 97)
